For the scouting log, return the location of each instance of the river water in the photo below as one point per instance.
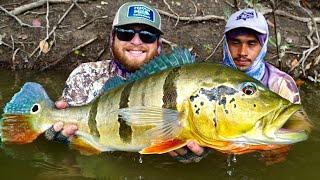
(49, 160)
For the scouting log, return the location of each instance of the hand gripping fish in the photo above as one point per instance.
(162, 107)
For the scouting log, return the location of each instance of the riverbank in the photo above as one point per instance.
(69, 34)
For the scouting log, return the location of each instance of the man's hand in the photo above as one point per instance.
(61, 104)
(191, 153)
(59, 131)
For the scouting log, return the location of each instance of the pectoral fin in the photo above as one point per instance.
(163, 147)
(165, 123)
(166, 127)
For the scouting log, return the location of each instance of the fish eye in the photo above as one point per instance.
(248, 88)
(35, 108)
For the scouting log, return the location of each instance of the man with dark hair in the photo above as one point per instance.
(245, 46)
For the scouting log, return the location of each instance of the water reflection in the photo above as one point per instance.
(48, 160)
(57, 163)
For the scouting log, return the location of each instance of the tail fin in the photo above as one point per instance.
(19, 123)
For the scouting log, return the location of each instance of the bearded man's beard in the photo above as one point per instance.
(128, 64)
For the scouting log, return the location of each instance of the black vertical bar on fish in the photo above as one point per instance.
(169, 98)
(125, 131)
(143, 98)
(92, 123)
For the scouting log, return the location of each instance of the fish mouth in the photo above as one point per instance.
(296, 128)
(284, 127)
(281, 126)
(276, 129)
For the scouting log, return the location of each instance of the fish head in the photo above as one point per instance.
(242, 111)
(22, 117)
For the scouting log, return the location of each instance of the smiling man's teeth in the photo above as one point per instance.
(136, 52)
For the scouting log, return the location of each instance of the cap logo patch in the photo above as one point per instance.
(245, 15)
(141, 11)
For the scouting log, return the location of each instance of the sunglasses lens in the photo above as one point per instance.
(147, 37)
(125, 34)
(128, 34)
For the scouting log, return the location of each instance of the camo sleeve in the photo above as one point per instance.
(86, 82)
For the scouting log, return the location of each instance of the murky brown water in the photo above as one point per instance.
(48, 160)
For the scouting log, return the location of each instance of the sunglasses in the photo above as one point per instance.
(128, 34)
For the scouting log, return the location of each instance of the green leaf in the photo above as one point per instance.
(226, 13)
(272, 41)
(291, 45)
(207, 46)
(77, 52)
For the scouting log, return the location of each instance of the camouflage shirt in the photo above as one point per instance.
(85, 82)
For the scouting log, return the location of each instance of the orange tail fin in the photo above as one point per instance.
(17, 129)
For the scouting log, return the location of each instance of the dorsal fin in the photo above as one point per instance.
(178, 57)
(112, 83)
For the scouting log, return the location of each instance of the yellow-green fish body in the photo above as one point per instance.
(212, 104)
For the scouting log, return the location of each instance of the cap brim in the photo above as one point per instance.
(245, 26)
(139, 23)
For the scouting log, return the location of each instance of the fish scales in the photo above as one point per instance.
(146, 92)
(216, 106)
(183, 81)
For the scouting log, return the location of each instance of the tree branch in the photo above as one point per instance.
(26, 7)
(17, 19)
(192, 19)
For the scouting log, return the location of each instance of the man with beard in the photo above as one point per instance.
(134, 40)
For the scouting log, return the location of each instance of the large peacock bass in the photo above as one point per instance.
(162, 107)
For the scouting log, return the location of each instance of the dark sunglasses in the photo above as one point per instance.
(128, 34)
